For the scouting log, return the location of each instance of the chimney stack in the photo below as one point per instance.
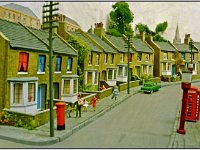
(187, 39)
(142, 36)
(99, 30)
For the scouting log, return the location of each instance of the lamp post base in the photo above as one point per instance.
(180, 131)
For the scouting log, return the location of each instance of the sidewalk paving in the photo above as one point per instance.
(191, 139)
(41, 135)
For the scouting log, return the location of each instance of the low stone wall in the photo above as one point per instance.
(123, 86)
(103, 93)
(29, 120)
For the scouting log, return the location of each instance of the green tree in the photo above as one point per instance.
(120, 19)
(161, 27)
(157, 34)
(83, 51)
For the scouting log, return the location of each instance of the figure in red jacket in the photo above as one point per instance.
(94, 103)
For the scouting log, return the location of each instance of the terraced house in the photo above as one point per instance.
(121, 57)
(165, 56)
(187, 55)
(24, 76)
(144, 57)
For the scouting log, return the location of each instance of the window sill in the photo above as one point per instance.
(69, 72)
(40, 72)
(89, 64)
(57, 72)
(22, 73)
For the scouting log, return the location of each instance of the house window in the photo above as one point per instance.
(41, 63)
(22, 93)
(96, 78)
(69, 64)
(139, 56)
(112, 59)
(58, 63)
(192, 56)
(23, 62)
(66, 87)
(131, 57)
(75, 86)
(18, 93)
(109, 74)
(90, 59)
(97, 59)
(125, 71)
(165, 55)
(121, 57)
(147, 58)
(31, 92)
(105, 58)
(115, 74)
(120, 71)
(89, 78)
(183, 56)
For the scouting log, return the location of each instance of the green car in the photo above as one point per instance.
(150, 87)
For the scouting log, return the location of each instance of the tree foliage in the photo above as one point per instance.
(120, 19)
(157, 34)
(83, 51)
(161, 27)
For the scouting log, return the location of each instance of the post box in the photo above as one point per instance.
(60, 115)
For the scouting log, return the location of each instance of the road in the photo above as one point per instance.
(142, 121)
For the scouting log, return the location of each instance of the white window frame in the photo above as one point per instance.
(71, 84)
(24, 93)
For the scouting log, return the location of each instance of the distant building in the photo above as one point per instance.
(17, 13)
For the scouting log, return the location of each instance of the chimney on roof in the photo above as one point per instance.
(187, 39)
(142, 36)
(99, 30)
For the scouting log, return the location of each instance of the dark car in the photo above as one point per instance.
(150, 87)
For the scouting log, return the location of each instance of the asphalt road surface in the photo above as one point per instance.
(142, 121)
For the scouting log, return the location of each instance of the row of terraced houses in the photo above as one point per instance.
(24, 75)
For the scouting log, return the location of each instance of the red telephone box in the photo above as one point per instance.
(198, 104)
(60, 115)
(191, 104)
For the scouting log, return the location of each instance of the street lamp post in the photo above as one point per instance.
(49, 16)
(191, 44)
(185, 85)
(128, 77)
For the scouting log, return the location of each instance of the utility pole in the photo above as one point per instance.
(128, 78)
(191, 44)
(49, 16)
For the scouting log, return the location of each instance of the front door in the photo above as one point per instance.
(41, 97)
(173, 69)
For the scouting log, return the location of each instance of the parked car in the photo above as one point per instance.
(150, 87)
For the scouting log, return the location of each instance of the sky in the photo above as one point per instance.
(86, 14)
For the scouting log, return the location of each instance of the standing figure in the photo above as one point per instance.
(115, 92)
(94, 103)
(78, 104)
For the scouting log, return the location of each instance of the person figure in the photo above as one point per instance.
(94, 103)
(115, 92)
(103, 87)
(78, 104)
(85, 105)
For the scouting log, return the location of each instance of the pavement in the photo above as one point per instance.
(41, 135)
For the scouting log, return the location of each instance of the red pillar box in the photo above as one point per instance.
(191, 104)
(60, 115)
(198, 104)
